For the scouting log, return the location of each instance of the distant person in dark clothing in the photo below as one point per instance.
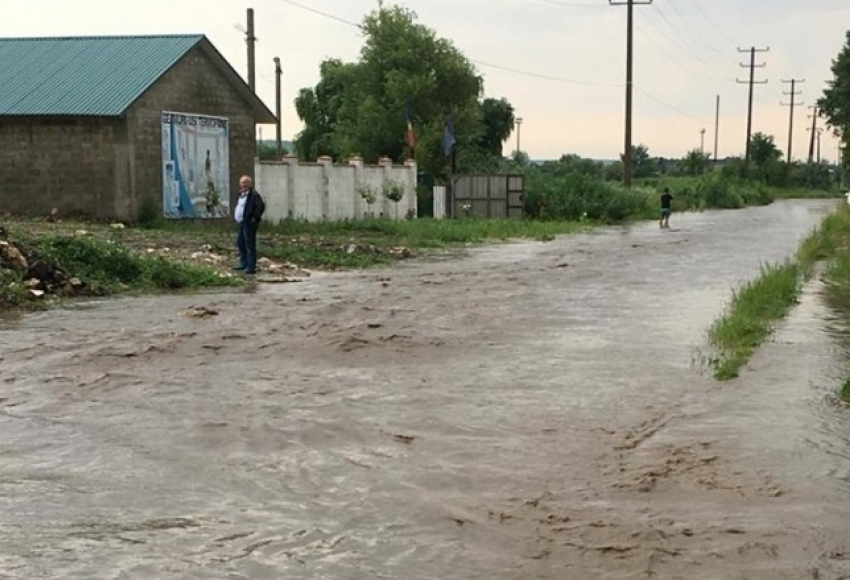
(666, 208)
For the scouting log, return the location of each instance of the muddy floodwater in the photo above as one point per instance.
(531, 411)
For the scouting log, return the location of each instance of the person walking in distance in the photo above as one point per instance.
(666, 208)
(249, 211)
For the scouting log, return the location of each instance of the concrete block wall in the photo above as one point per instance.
(325, 191)
(64, 163)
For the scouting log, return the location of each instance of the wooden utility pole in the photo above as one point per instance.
(716, 127)
(794, 93)
(278, 72)
(251, 39)
(814, 128)
(627, 154)
(752, 66)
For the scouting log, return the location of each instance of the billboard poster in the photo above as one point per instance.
(195, 166)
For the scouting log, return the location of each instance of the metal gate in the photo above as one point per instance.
(487, 196)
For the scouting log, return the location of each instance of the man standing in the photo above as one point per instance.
(248, 212)
(666, 208)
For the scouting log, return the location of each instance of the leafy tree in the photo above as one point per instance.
(835, 102)
(642, 164)
(765, 157)
(613, 171)
(696, 162)
(359, 108)
(763, 150)
(267, 152)
(319, 108)
(498, 118)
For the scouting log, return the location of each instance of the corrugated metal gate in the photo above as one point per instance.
(488, 196)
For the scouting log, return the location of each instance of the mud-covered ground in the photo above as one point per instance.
(531, 411)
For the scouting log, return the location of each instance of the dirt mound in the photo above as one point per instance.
(25, 275)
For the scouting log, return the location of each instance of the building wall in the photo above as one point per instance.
(324, 191)
(194, 86)
(65, 163)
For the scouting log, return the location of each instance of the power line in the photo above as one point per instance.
(687, 24)
(572, 4)
(712, 23)
(671, 55)
(545, 76)
(512, 70)
(321, 13)
(676, 31)
(668, 105)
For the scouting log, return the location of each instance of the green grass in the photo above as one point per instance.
(845, 391)
(748, 321)
(107, 268)
(427, 233)
(760, 303)
(803, 193)
(369, 242)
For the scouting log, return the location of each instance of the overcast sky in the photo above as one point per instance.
(686, 53)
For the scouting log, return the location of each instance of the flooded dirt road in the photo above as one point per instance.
(531, 411)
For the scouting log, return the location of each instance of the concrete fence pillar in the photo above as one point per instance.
(360, 206)
(290, 162)
(411, 186)
(387, 164)
(439, 202)
(327, 166)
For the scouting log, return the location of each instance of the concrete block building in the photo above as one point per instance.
(108, 127)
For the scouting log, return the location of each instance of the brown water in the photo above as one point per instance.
(528, 412)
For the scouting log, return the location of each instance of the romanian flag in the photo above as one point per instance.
(410, 136)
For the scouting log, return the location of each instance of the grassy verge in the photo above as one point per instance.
(102, 267)
(370, 242)
(748, 320)
(757, 305)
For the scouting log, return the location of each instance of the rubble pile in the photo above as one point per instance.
(40, 277)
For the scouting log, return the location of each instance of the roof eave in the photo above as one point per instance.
(262, 114)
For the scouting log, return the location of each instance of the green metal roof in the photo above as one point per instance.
(95, 76)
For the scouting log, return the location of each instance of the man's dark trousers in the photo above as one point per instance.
(247, 243)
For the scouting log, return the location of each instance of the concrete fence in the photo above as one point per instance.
(325, 191)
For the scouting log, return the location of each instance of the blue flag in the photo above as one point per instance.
(449, 136)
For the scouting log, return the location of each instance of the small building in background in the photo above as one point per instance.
(123, 128)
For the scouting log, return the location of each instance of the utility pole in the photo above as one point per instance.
(814, 117)
(251, 40)
(794, 93)
(716, 127)
(816, 133)
(752, 66)
(278, 72)
(630, 36)
(518, 122)
(702, 141)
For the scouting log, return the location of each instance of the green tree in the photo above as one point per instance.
(643, 165)
(835, 102)
(498, 118)
(763, 150)
(696, 162)
(359, 108)
(268, 152)
(319, 108)
(765, 157)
